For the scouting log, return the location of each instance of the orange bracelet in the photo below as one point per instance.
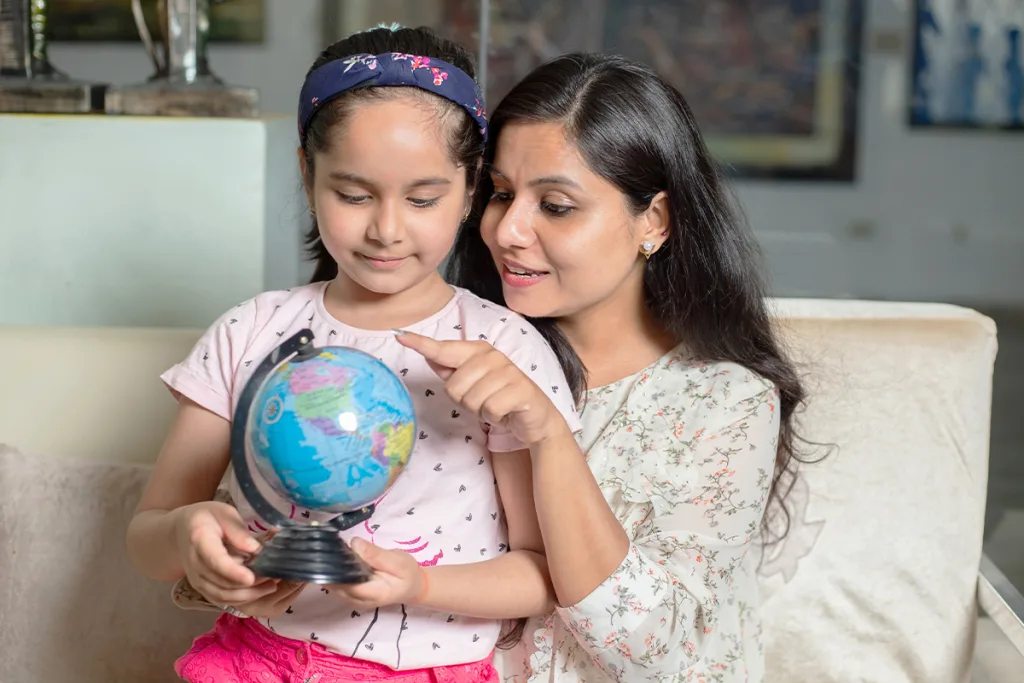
(421, 596)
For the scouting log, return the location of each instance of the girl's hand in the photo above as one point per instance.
(397, 579)
(273, 604)
(204, 532)
(485, 382)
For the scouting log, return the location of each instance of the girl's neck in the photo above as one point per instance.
(358, 307)
(616, 337)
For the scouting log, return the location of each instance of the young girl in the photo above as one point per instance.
(392, 129)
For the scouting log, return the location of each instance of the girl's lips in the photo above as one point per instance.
(383, 263)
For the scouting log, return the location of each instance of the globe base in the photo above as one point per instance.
(309, 554)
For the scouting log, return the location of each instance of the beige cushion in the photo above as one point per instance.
(876, 581)
(72, 609)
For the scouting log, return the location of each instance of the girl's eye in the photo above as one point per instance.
(556, 210)
(354, 199)
(424, 203)
(501, 196)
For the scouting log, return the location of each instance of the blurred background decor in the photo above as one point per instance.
(774, 83)
(110, 21)
(968, 65)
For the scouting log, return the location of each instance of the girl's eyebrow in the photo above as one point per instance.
(360, 180)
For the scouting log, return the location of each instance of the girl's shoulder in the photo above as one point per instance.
(484, 320)
(248, 318)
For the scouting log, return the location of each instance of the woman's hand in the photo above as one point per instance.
(397, 579)
(485, 382)
(209, 538)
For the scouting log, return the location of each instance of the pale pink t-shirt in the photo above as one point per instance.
(443, 509)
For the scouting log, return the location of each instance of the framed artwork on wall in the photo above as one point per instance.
(968, 64)
(111, 21)
(773, 83)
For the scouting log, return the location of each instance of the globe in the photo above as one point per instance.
(331, 431)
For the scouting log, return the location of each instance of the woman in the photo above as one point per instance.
(605, 222)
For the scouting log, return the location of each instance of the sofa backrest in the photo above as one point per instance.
(877, 578)
(89, 393)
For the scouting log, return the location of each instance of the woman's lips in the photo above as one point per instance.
(517, 275)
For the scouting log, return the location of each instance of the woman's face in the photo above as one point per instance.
(563, 238)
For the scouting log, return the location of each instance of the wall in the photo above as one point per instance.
(933, 215)
(110, 220)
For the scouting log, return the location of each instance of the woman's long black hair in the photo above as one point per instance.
(705, 285)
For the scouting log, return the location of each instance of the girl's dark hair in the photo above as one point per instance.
(464, 140)
(705, 285)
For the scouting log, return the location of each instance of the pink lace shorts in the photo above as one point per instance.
(243, 650)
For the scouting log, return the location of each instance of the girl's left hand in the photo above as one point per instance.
(397, 579)
(485, 382)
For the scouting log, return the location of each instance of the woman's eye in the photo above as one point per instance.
(420, 203)
(354, 198)
(556, 209)
(501, 196)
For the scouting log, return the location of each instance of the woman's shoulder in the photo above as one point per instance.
(704, 382)
(684, 415)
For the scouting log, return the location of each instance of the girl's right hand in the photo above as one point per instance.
(203, 533)
(275, 604)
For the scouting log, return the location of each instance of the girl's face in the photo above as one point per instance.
(388, 197)
(568, 229)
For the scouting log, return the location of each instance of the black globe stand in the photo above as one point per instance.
(302, 552)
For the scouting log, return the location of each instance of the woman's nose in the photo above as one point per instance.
(514, 229)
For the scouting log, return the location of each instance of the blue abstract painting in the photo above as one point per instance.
(968, 64)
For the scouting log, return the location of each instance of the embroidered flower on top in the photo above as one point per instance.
(439, 76)
(369, 61)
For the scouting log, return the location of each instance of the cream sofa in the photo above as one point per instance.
(877, 580)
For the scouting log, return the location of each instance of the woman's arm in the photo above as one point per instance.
(585, 542)
(646, 609)
(656, 612)
(511, 586)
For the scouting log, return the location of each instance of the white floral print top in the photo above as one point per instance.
(684, 453)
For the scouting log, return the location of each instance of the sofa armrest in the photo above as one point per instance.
(1002, 602)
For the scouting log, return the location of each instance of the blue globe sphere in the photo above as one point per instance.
(331, 432)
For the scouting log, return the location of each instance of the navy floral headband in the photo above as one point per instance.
(392, 68)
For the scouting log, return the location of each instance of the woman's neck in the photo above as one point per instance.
(359, 307)
(616, 337)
